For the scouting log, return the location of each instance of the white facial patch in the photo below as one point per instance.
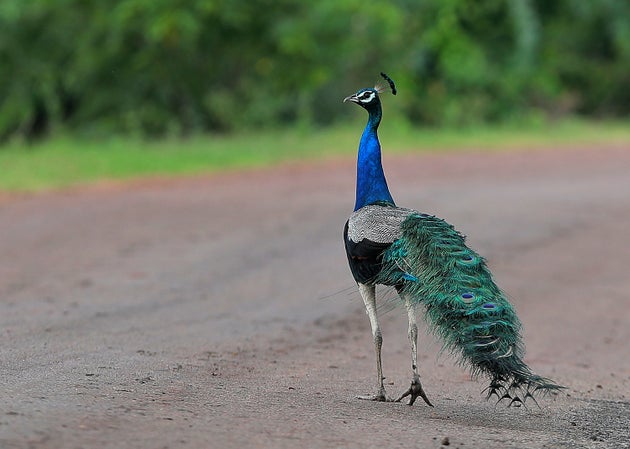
(367, 96)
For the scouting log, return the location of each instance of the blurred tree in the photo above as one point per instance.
(155, 67)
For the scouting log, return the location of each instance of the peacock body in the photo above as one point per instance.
(429, 264)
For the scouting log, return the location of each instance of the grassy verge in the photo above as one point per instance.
(65, 161)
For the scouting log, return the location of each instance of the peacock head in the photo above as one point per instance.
(368, 97)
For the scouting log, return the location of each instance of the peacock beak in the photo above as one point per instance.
(353, 98)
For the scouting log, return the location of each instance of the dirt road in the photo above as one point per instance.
(218, 312)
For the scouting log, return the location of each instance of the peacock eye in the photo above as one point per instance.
(366, 97)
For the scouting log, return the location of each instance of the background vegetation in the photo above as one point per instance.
(65, 161)
(152, 68)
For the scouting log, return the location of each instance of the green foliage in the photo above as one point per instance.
(175, 67)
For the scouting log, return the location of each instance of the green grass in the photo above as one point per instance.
(65, 161)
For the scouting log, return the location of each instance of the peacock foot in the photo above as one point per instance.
(414, 391)
(378, 397)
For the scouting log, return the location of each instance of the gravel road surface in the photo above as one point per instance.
(218, 311)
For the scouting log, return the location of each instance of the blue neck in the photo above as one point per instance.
(371, 183)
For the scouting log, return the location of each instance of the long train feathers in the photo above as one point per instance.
(464, 307)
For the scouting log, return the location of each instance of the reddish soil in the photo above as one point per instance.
(219, 311)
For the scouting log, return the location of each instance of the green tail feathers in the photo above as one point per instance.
(464, 306)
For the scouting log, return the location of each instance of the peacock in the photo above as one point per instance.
(428, 263)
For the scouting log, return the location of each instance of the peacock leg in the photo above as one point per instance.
(368, 293)
(415, 389)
